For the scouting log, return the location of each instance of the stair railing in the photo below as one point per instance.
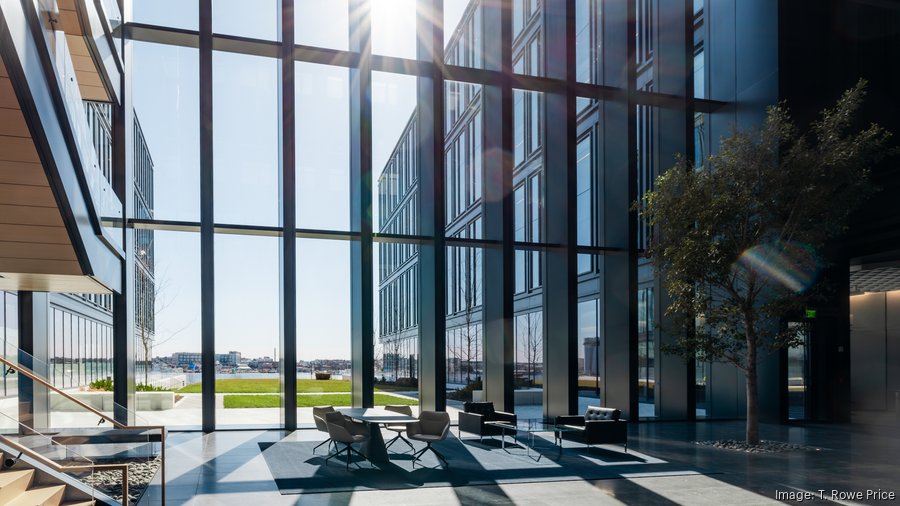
(37, 378)
(81, 463)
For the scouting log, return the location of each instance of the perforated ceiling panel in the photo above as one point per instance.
(879, 279)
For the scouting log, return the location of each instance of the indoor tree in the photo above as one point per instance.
(739, 241)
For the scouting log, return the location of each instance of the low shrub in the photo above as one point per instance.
(142, 387)
(103, 385)
(323, 375)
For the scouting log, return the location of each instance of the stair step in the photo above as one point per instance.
(13, 483)
(45, 496)
(79, 503)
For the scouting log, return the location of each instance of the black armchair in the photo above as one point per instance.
(476, 413)
(597, 426)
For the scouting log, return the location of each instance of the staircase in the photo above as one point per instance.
(18, 488)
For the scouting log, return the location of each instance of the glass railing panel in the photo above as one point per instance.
(80, 417)
(18, 440)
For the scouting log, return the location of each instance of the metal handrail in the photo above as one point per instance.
(66, 469)
(116, 423)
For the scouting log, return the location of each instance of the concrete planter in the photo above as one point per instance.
(103, 401)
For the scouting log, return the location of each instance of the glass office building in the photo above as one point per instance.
(427, 198)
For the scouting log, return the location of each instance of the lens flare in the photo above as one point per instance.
(793, 265)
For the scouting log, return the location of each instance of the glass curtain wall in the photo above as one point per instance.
(360, 129)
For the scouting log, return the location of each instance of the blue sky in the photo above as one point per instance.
(245, 153)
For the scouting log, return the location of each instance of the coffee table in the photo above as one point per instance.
(531, 427)
(374, 449)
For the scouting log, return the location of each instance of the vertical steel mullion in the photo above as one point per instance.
(432, 254)
(207, 238)
(632, 389)
(123, 302)
(560, 280)
(498, 264)
(361, 274)
(690, 148)
(288, 204)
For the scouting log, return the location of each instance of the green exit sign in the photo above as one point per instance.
(810, 313)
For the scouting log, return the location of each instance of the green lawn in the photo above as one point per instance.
(307, 401)
(270, 386)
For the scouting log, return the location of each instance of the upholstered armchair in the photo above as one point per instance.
(476, 413)
(433, 426)
(597, 426)
(398, 428)
(346, 433)
(319, 418)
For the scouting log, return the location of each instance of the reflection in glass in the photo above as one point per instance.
(590, 350)
(464, 326)
(646, 352)
(798, 373)
(463, 158)
(463, 33)
(397, 316)
(701, 388)
(529, 366)
(394, 142)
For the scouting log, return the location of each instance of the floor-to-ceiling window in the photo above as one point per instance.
(365, 151)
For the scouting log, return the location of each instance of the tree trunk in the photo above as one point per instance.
(752, 394)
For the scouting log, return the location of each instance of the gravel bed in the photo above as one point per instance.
(763, 446)
(140, 473)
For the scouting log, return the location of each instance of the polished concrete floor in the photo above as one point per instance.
(225, 468)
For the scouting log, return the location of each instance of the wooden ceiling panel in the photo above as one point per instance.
(77, 45)
(37, 251)
(88, 77)
(8, 98)
(13, 124)
(40, 266)
(33, 233)
(69, 23)
(18, 149)
(22, 195)
(95, 93)
(31, 174)
(27, 215)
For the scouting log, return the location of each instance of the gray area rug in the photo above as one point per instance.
(297, 470)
